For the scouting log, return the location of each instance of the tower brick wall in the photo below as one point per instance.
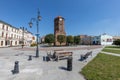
(59, 29)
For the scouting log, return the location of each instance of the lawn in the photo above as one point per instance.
(103, 67)
(111, 50)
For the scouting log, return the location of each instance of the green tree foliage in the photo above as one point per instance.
(76, 39)
(117, 42)
(49, 39)
(61, 38)
(70, 40)
(33, 44)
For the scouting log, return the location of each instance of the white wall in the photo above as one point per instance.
(103, 39)
(17, 35)
(106, 39)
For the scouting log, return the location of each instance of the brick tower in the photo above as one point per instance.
(59, 29)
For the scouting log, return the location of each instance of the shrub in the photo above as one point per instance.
(33, 44)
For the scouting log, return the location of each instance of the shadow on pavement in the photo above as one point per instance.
(63, 68)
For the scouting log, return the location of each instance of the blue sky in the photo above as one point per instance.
(91, 17)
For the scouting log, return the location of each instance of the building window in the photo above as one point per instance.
(97, 38)
(14, 36)
(2, 34)
(3, 27)
(11, 43)
(103, 40)
(109, 40)
(15, 42)
(7, 28)
(5, 42)
(1, 43)
(11, 35)
(6, 35)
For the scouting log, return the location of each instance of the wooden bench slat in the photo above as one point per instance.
(63, 54)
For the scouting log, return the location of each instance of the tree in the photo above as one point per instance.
(70, 39)
(49, 39)
(61, 38)
(117, 42)
(77, 39)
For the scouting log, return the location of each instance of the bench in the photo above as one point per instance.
(84, 57)
(62, 55)
(58, 55)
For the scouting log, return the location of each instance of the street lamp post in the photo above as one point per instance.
(23, 29)
(37, 24)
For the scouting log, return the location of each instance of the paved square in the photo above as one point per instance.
(37, 69)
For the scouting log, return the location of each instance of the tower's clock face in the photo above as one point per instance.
(60, 19)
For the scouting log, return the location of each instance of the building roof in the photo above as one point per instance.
(8, 24)
(12, 26)
(5, 23)
(29, 32)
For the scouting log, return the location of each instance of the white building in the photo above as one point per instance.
(103, 39)
(12, 36)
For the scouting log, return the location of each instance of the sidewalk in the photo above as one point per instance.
(114, 54)
(37, 69)
(113, 48)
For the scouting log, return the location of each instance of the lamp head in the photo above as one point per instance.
(39, 17)
(30, 24)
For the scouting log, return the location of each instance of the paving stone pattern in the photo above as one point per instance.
(37, 69)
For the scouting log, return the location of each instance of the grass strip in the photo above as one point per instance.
(111, 51)
(112, 47)
(103, 67)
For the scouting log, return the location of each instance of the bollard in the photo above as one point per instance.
(16, 68)
(81, 58)
(69, 64)
(44, 58)
(30, 57)
(47, 58)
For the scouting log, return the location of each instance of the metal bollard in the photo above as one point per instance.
(47, 58)
(16, 68)
(44, 58)
(81, 58)
(30, 57)
(69, 64)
